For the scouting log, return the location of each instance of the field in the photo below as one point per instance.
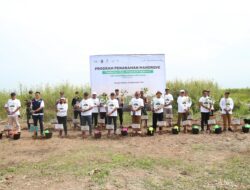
(184, 161)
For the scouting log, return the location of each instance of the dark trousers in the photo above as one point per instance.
(87, 120)
(103, 116)
(120, 113)
(94, 118)
(76, 114)
(113, 119)
(157, 117)
(63, 120)
(204, 119)
(28, 117)
(39, 118)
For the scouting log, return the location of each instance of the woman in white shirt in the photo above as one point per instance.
(227, 105)
(61, 112)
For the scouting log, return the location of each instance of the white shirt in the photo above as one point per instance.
(158, 103)
(96, 103)
(112, 104)
(168, 98)
(136, 103)
(85, 105)
(12, 105)
(205, 102)
(182, 104)
(62, 109)
(228, 104)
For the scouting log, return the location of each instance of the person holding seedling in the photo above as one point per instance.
(28, 101)
(182, 108)
(168, 108)
(136, 104)
(205, 108)
(76, 107)
(103, 109)
(37, 110)
(61, 112)
(157, 109)
(227, 105)
(95, 111)
(12, 108)
(112, 106)
(120, 99)
(86, 106)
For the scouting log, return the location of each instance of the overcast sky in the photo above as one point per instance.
(51, 41)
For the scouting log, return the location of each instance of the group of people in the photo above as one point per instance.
(94, 111)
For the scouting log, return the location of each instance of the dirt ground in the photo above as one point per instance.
(183, 161)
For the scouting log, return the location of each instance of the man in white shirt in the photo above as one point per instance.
(37, 109)
(86, 106)
(168, 108)
(112, 106)
(182, 107)
(205, 108)
(136, 104)
(227, 105)
(95, 110)
(61, 112)
(157, 109)
(12, 108)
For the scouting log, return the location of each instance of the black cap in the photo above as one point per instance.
(112, 94)
(116, 90)
(13, 94)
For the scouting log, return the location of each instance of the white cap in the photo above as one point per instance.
(182, 91)
(94, 93)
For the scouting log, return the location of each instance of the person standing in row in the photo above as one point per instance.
(226, 105)
(76, 107)
(182, 107)
(37, 109)
(95, 110)
(86, 106)
(157, 109)
(61, 112)
(205, 108)
(211, 101)
(120, 99)
(28, 101)
(144, 109)
(103, 107)
(168, 108)
(112, 106)
(12, 108)
(136, 104)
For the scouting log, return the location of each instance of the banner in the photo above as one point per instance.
(128, 73)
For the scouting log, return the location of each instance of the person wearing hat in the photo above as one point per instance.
(120, 99)
(168, 98)
(182, 107)
(12, 108)
(37, 110)
(205, 108)
(226, 105)
(136, 104)
(61, 96)
(61, 112)
(28, 101)
(112, 107)
(157, 109)
(95, 110)
(86, 106)
(76, 107)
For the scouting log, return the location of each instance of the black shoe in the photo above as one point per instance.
(230, 129)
